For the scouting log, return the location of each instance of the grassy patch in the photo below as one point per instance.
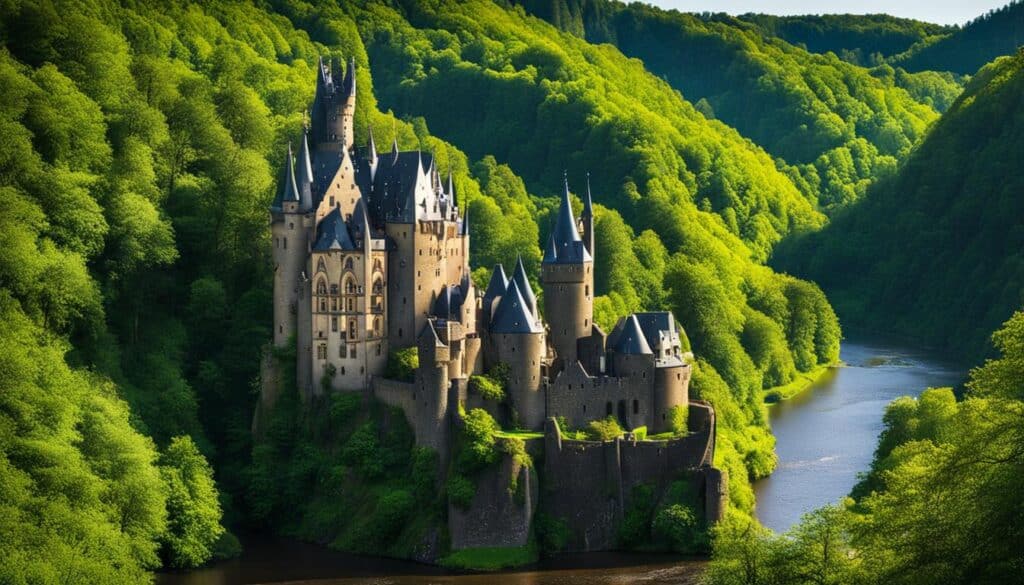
(803, 381)
(519, 434)
(490, 558)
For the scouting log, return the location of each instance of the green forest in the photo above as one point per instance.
(735, 163)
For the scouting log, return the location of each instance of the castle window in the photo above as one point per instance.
(376, 331)
(400, 331)
(352, 329)
(348, 305)
(321, 288)
(679, 376)
(608, 409)
(277, 242)
(285, 243)
(291, 226)
(348, 263)
(334, 289)
(323, 305)
(334, 304)
(332, 201)
(584, 408)
(334, 323)
(636, 406)
(343, 350)
(342, 370)
(321, 351)
(586, 290)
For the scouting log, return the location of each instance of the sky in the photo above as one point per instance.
(939, 11)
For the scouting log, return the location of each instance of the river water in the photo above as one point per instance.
(825, 437)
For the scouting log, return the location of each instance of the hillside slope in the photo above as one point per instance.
(936, 252)
(994, 34)
(840, 126)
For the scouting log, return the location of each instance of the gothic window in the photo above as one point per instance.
(334, 304)
(321, 351)
(321, 266)
(321, 287)
(352, 329)
(334, 323)
(348, 305)
(348, 263)
(377, 266)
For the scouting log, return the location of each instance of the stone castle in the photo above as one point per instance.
(371, 255)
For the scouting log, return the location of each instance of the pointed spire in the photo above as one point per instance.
(394, 149)
(450, 188)
(523, 283)
(371, 146)
(465, 223)
(496, 287)
(568, 245)
(630, 339)
(349, 86)
(513, 315)
(588, 203)
(304, 180)
(289, 189)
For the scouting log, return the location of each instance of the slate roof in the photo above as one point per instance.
(497, 286)
(566, 246)
(524, 286)
(289, 191)
(628, 338)
(332, 233)
(652, 324)
(449, 303)
(305, 177)
(512, 315)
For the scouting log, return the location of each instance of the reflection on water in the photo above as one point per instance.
(272, 560)
(827, 435)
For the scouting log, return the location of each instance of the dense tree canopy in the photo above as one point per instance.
(993, 34)
(935, 252)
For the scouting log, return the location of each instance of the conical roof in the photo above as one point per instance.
(524, 286)
(289, 191)
(512, 314)
(630, 339)
(568, 246)
(304, 180)
(497, 286)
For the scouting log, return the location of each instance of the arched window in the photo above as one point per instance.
(348, 263)
(321, 287)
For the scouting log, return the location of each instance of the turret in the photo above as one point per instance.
(524, 287)
(431, 390)
(304, 180)
(495, 290)
(518, 340)
(289, 253)
(567, 274)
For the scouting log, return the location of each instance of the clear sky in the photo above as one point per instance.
(940, 11)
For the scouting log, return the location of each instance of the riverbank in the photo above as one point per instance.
(803, 381)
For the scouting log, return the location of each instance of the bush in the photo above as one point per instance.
(460, 490)
(679, 527)
(677, 416)
(604, 430)
(552, 533)
(402, 364)
(487, 387)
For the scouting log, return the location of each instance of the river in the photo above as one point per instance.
(825, 437)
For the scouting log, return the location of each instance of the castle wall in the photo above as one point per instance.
(498, 515)
(588, 484)
(569, 305)
(582, 398)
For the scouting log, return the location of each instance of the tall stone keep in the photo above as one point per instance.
(289, 253)
(567, 274)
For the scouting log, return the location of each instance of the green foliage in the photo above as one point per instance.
(990, 35)
(461, 490)
(677, 525)
(606, 429)
(487, 387)
(940, 504)
(402, 364)
(552, 533)
(490, 558)
(193, 509)
(677, 416)
(477, 446)
(902, 261)
(837, 125)
(635, 528)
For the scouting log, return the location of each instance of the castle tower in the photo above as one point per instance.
(431, 390)
(567, 274)
(289, 254)
(518, 339)
(587, 221)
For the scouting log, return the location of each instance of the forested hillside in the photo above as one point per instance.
(137, 155)
(940, 505)
(935, 253)
(994, 34)
(862, 39)
(836, 126)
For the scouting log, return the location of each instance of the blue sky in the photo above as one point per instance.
(941, 11)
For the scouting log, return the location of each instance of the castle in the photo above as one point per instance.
(371, 255)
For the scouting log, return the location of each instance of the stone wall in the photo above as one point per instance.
(588, 484)
(498, 515)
